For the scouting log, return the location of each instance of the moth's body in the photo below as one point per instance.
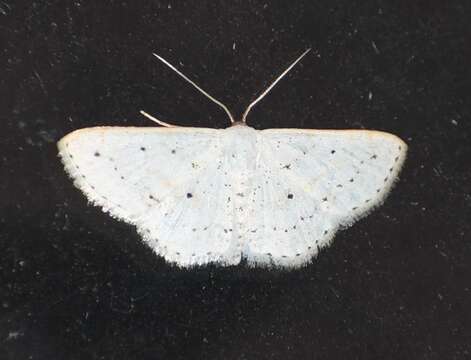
(201, 195)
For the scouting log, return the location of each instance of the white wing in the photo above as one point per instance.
(311, 182)
(169, 182)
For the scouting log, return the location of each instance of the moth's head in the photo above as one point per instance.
(240, 129)
(239, 123)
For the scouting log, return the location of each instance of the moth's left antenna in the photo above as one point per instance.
(224, 107)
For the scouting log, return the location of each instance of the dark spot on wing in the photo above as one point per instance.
(173, 151)
(97, 154)
(332, 151)
(290, 196)
(143, 148)
(189, 195)
(154, 198)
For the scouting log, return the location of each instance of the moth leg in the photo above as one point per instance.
(154, 119)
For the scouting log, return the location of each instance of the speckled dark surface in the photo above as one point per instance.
(76, 284)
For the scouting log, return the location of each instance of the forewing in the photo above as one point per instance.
(311, 182)
(166, 181)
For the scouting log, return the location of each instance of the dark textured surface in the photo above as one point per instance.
(75, 284)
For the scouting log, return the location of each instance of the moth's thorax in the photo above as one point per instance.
(242, 140)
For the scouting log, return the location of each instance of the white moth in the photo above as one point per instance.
(200, 195)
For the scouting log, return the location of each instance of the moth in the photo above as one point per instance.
(274, 197)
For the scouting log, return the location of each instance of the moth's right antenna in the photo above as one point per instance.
(252, 104)
(224, 107)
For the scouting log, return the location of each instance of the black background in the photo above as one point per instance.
(76, 284)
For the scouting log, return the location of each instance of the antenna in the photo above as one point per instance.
(252, 104)
(224, 107)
